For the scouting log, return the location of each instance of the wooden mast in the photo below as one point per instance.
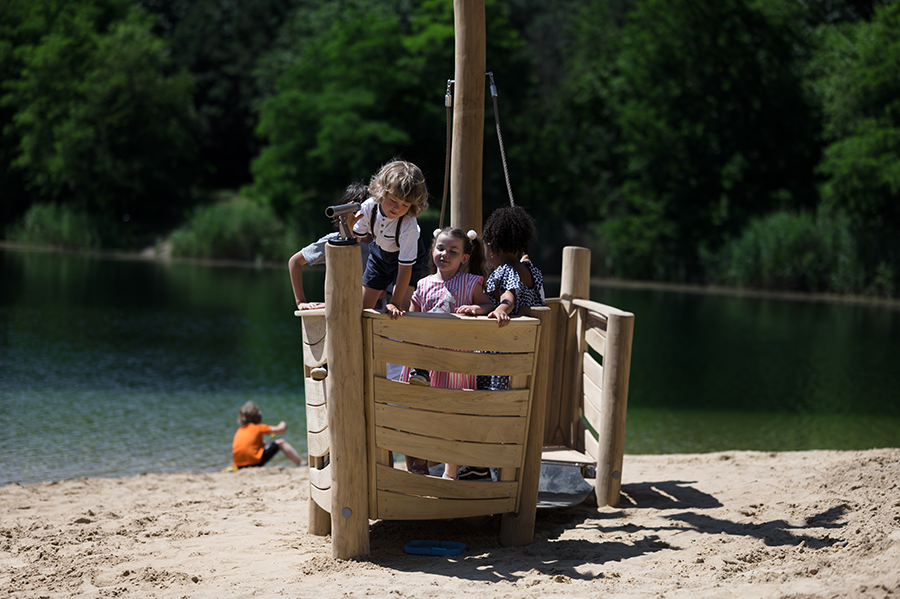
(468, 115)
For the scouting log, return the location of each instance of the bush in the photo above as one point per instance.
(235, 229)
(796, 252)
(57, 225)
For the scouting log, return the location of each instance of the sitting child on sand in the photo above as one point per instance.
(248, 449)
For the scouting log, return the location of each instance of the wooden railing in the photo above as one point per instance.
(358, 419)
(460, 426)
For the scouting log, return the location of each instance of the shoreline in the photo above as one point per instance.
(741, 524)
(153, 254)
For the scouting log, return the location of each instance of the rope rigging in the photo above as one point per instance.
(448, 104)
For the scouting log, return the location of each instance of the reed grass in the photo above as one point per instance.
(57, 225)
(794, 252)
(234, 229)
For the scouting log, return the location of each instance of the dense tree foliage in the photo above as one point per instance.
(859, 82)
(96, 121)
(706, 126)
(356, 83)
(220, 43)
(674, 137)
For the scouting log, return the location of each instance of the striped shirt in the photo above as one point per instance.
(437, 296)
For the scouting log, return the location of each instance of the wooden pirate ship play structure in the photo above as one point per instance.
(568, 364)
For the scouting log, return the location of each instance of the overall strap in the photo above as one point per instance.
(372, 224)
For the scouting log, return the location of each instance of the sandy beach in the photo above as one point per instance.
(734, 524)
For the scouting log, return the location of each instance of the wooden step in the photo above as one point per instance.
(559, 454)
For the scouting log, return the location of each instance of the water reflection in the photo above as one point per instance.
(114, 367)
(759, 355)
(713, 373)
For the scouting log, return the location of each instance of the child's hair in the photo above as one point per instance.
(509, 229)
(472, 247)
(355, 192)
(249, 414)
(403, 180)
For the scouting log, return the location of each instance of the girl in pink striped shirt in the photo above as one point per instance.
(449, 289)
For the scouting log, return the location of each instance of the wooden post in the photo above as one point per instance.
(616, 370)
(576, 273)
(468, 115)
(552, 432)
(575, 284)
(346, 406)
(518, 529)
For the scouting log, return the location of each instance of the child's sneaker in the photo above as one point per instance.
(419, 377)
(473, 473)
(319, 373)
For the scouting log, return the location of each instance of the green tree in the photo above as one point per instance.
(23, 24)
(16, 198)
(96, 122)
(859, 84)
(857, 78)
(220, 43)
(356, 83)
(330, 115)
(568, 151)
(714, 128)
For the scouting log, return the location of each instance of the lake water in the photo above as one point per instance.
(115, 367)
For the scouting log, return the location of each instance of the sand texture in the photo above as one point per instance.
(735, 524)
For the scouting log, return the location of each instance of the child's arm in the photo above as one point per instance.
(278, 429)
(399, 302)
(414, 305)
(481, 306)
(507, 304)
(295, 265)
(354, 218)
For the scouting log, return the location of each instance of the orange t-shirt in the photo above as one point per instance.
(248, 445)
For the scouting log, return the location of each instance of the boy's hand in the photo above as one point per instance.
(310, 305)
(394, 311)
(354, 218)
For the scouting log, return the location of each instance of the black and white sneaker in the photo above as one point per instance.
(473, 473)
(419, 377)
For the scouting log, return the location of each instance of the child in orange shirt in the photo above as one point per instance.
(248, 449)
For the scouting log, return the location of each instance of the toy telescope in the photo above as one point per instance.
(340, 213)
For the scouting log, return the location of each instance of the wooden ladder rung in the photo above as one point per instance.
(561, 454)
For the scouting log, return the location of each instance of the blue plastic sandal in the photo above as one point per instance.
(434, 547)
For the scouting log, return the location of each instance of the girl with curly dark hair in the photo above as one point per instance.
(514, 283)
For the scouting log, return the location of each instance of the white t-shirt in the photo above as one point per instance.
(385, 232)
